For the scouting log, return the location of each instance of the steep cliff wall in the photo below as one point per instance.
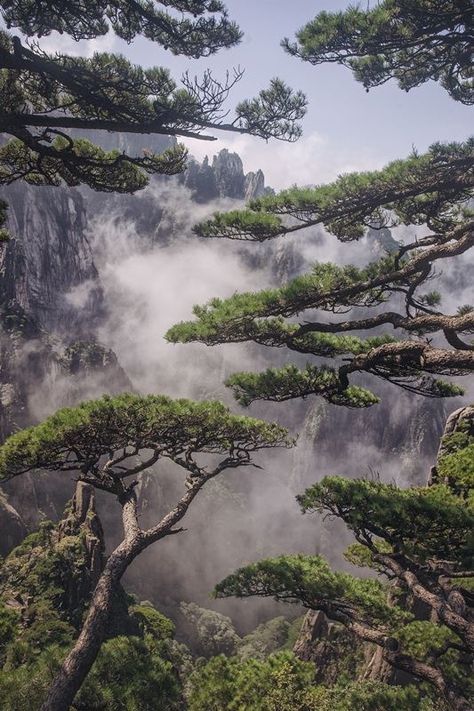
(47, 255)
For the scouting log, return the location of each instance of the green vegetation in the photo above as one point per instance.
(45, 588)
(70, 637)
(430, 189)
(412, 41)
(172, 429)
(284, 683)
(421, 541)
(45, 96)
(110, 441)
(280, 682)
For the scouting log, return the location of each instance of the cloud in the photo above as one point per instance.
(152, 280)
(149, 286)
(64, 44)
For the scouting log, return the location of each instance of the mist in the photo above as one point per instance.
(149, 282)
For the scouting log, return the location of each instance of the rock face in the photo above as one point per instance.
(25, 359)
(396, 439)
(12, 528)
(229, 173)
(332, 649)
(47, 256)
(254, 185)
(200, 178)
(461, 422)
(225, 178)
(82, 517)
(48, 354)
(62, 564)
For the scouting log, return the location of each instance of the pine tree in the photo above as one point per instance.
(108, 443)
(411, 41)
(420, 540)
(415, 40)
(434, 190)
(44, 96)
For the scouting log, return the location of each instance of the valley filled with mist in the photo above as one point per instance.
(130, 267)
(236, 355)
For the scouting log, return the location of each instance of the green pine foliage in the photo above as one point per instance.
(456, 464)
(433, 190)
(412, 41)
(310, 580)
(200, 30)
(326, 287)
(45, 96)
(279, 682)
(415, 538)
(95, 428)
(284, 683)
(78, 161)
(424, 521)
(423, 187)
(288, 382)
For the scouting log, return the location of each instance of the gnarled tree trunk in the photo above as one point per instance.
(82, 656)
(80, 659)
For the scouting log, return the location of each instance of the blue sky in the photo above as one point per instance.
(345, 129)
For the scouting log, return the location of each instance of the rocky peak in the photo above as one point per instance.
(81, 516)
(57, 566)
(225, 178)
(229, 172)
(200, 178)
(254, 185)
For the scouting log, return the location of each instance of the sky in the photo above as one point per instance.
(345, 129)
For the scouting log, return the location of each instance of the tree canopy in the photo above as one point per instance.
(433, 190)
(411, 41)
(421, 540)
(107, 443)
(46, 99)
(201, 28)
(134, 432)
(284, 683)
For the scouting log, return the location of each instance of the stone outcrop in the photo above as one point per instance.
(12, 527)
(59, 565)
(461, 420)
(380, 440)
(82, 518)
(200, 178)
(225, 178)
(330, 647)
(47, 256)
(229, 172)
